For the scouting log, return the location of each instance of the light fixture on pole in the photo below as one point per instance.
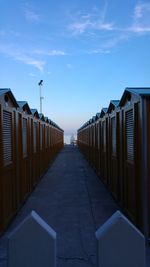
(41, 97)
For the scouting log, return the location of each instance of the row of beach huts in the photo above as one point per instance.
(116, 142)
(29, 141)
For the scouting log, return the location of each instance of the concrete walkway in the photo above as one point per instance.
(74, 202)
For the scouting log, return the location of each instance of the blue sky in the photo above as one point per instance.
(85, 51)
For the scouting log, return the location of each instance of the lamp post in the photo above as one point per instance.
(41, 98)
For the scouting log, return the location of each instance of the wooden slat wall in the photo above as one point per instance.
(1, 171)
(120, 154)
(26, 150)
(7, 137)
(129, 130)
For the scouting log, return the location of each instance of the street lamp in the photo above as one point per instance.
(41, 97)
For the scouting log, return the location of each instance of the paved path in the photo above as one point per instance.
(73, 200)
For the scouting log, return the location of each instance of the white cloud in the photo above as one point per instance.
(2, 32)
(139, 29)
(39, 64)
(114, 34)
(9, 33)
(32, 74)
(138, 11)
(49, 72)
(17, 54)
(69, 66)
(49, 53)
(141, 18)
(81, 27)
(56, 53)
(95, 25)
(103, 26)
(31, 57)
(99, 51)
(31, 15)
(96, 20)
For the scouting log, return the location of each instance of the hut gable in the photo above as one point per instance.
(133, 94)
(139, 91)
(113, 105)
(90, 121)
(46, 119)
(7, 98)
(97, 116)
(93, 119)
(103, 112)
(23, 106)
(35, 113)
(42, 118)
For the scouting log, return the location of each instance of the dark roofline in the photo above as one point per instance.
(9, 92)
(138, 91)
(113, 103)
(35, 111)
(41, 116)
(103, 112)
(46, 119)
(97, 116)
(22, 104)
(93, 118)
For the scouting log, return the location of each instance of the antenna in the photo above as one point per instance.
(41, 97)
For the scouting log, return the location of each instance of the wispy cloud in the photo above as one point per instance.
(141, 18)
(32, 74)
(33, 57)
(39, 64)
(114, 41)
(99, 51)
(69, 66)
(19, 55)
(81, 27)
(2, 32)
(139, 29)
(95, 26)
(138, 11)
(31, 15)
(10, 33)
(49, 72)
(96, 20)
(49, 53)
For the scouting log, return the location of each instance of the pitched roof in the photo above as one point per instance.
(113, 104)
(24, 104)
(97, 115)
(93, 118)
(103, 112)
(34, 112)
(8, 92)
(139, 92)
(46, 119)
(41, 116)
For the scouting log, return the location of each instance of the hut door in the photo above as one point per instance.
(129, 178)
(113, 158)
(25, 168)
(8, 180)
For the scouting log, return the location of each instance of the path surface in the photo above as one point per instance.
(74, 202)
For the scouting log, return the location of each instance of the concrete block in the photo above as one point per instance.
(120, 243)
(32, 244)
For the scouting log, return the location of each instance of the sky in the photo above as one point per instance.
(85, 51)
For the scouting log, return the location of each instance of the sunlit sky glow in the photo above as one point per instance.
(86, 52)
